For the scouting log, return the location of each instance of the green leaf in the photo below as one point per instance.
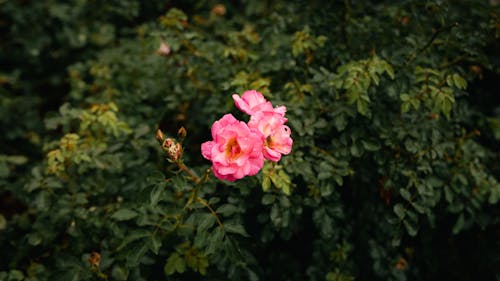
(227, 209)
(459, 224)
(459, 81)
(155, 244)
(136, 254)
(205, 222)
(134, 235)
(235, 228)
(399, 210)
(266, 183)
(405, 194)
(215, 240)
(156, 193)
(371, 145)
(410, 228)
(119, 273)
(175, 263)
(268, 199)
(124, 214)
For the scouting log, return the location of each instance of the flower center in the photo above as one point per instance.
(233, 149)
(269, 142)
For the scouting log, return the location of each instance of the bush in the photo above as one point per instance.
(392, 176)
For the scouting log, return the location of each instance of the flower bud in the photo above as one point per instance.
(218, 10)
(182, 133)
(159, 136)
(164, 49)
(94, 259)
(172, 148)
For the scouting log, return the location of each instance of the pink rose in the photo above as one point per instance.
(277, 135)
(236, 149)
(251, 102)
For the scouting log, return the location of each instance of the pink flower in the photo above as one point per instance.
(277, 135)
(236, 149)
(251, 102)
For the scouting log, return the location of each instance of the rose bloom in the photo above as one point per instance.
(236, 149)
(252, 102)
(277, 135)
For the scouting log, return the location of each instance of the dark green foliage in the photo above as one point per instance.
(393, 173)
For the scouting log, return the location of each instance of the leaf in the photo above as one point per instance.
(156, 193)
(205, 222)
(399, 210)
(370, 145)
(134, 235)
(459, 81)
(235, 228)
(405, 194)
(17, 159)
(227, 209)
(268, 199)
(410, 228)
(136, 254)
(459, 224)
(124, 214)
(215, 240)
(175, 263)
(266, 183)
(155, 244)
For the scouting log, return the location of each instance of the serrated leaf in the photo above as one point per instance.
(215, 240)
(175, 263)
(207, 221)
(227, 209)
(235, 228)
(155, 194)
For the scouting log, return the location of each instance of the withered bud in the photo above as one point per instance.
(164, 49)
(159, 136)
(172, 148)
(402, 264)
(182, 133)
(219, 10)
(405, 20)
(95, 259)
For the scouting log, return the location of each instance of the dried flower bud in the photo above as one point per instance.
(182, 133)
(219, 10)
(164, 49)
(159, 136)
(95, 259)
(402, 264)
(172, 148)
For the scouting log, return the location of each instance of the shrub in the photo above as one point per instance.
(392, 175)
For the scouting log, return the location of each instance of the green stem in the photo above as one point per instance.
(188, 171)
(205, 203)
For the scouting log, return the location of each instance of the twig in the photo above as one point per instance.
(412, 56)
(205, 203)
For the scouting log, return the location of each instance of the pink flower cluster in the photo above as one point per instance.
(238, 149)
